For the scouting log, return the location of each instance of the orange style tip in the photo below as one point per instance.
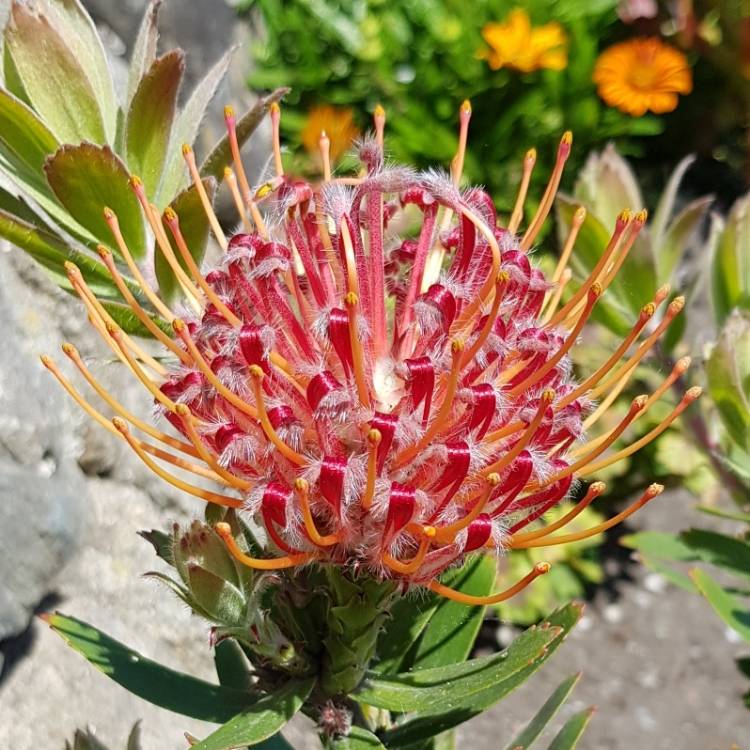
(228, 174)
(69, 350)
(186, 149)
(109, 214)
(46, 360)
(135, 182)
(502, 278)
(170, 216)
(120, 424)
(466, 106)
(229, 113)
(530, 157)
(223, 529)
(542, 568)
(596, 290)
(429, 531)
(374, 436)
(623, 218)
(493, 479)
(548, 395)
(275, 110)
(301, 485)
(70, 267)
(178, 324)
(639, 402)
(648, 310)
(256, 371)
(579, 216)
(103, 252)
(351, 299)
(653, 490)
(112, 329)
(641, 217)
(567, 138)
(693, 393)
(379, 111)
(676, 305)
(682, 364)
(457, 345)
(598, 488)
(183, 410)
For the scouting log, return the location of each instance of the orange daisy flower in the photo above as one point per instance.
(516, 44)
(337, 123)
(641, 75)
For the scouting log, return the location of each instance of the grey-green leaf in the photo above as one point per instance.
(88, 178)
(24, 134)
(261, 720)
(153, 682)
(53, 78)
(357, 739)
(545, 714)
(144, 49)
(220, 155)
(567, 738)
(726, 605)
(150, 116)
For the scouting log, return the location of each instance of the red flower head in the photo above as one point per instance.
(376, 397)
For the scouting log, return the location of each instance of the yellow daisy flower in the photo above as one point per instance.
(515, 43)
(641, 75)
(337, 123)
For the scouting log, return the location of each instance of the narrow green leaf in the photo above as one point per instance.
(567, 738)
(545, 714)
(51, 253)
(53, 78)
(451, 631)
(124, 316)
(153, 682)
(144, 49)
(732, 515)
(220, 155)
(75, 26)
(231, 665)
(674, 241)
(669, 573)
(665, 207)
(149, 120)
(194, 227)
(727, 606)
(358, 739)
(261, 720)
(24, 134)
(719, 549)
(731, 262)
(186, 128)
(433, 690)
(88, 178)
(429, 725)
(659, 544)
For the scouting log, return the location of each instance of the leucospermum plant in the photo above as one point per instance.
(372, 392)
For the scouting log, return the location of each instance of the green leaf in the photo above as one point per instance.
(88, 178)
(153, 682)
(673, 242)
(124, 316)
(732, 515)
(75, 26)
(149, 121)
(51, 253)
(194, 227)
(24, 134)
(430, 725)
(432, 690)
(669, 573)
(220, 155)
(53, 77)
(545, 714)
(665, 207)
(659, 544)
(451, 631)
(728, 375)
(720, 550)
(231, 665)
(261, 720)
(186, 129)
(144, 49)
(277, 742)
(727, 606)
(567, 738)
(731, 262)
(357, 739)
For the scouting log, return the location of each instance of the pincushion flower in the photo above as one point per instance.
(385, 405)
(642, 75)
(516, 44)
